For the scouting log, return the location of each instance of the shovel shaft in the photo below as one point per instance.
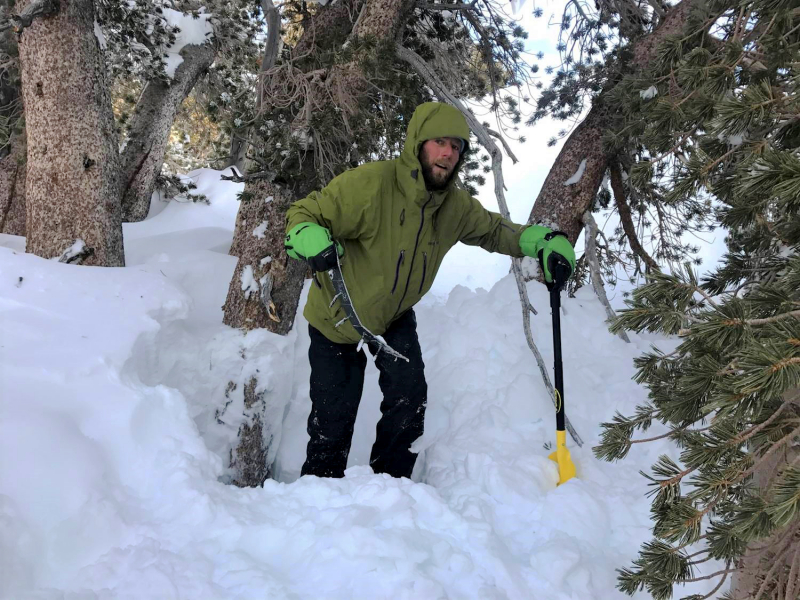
(555, 306)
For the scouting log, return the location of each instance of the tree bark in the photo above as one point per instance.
(72, 186)
(12, 187)
(772, 557)
(152, 122)
(561, 206)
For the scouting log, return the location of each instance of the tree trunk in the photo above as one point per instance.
(561, 206)
(72, 185)
(772, 559)
(245, 306)
(12, 187)
(151, 125)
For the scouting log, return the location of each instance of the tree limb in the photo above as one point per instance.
(625, 216)
(485, 139)
(37, 8)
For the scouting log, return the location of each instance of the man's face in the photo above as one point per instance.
(439, 158)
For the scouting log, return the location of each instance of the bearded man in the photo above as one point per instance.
(391, 222)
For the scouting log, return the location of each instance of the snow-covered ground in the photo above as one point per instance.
(112, 441)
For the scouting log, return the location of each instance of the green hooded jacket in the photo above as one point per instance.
(394, 231)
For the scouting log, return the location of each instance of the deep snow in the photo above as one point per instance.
(113, 442)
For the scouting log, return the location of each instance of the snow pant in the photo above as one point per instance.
(337, 380)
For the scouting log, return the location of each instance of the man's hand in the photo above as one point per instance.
(312, 243)
(550, 247)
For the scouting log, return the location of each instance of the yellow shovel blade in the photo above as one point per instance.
(566, 468)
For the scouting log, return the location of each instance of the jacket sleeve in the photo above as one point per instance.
(338, 206)
(489, 230)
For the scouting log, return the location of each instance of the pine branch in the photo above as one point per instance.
(717, 587)
(625, 216)
(794, 314)
(37, 8)
(711, 576)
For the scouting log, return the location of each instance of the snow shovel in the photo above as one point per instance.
(560, 270)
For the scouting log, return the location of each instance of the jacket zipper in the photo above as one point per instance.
(414, 255)
(397, 270)
(424, 269)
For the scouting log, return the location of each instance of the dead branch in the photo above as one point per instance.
(485, 139)
(37, 8)
(594, 269)
(625, 216)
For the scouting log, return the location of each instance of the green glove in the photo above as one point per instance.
(542, 242)
(309, 241)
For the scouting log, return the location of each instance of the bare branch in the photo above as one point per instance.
(625, 216)
(37, 8)
(594, 269)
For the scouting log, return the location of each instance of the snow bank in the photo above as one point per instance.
(115, 420)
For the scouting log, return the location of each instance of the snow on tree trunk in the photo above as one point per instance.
(151, 124)
(72, 186)
(12, 188)
(560, 203)
(258, 243)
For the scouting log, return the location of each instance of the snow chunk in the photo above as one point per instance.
(76, 249)
(268, 199)
(576, 177)
(261, 231)
(649, 93)
(266, 260)
(192, 31)
(98, 33)
(249, 283)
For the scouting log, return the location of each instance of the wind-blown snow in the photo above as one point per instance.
(576, 177)
(116, 422)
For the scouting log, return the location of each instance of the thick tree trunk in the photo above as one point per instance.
(12, 187)
(247, 305)
(151, 125)
(72, 187)
(561, 205)
(772, 567)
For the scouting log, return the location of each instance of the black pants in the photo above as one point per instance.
(337, 380)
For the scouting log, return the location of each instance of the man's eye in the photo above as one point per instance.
(440, 142)
(455, 147)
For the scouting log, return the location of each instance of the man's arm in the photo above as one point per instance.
(338, 207)
(489, 230)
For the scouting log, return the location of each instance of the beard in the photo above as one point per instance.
(435, 180)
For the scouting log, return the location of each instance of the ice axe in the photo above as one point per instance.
(560, 271)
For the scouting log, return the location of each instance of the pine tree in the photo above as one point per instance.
(721, 123)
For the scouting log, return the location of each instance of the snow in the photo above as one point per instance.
(77, 247)
(98, 33)
(649, 93)
(576, 177)
(192, 31)
(261, 231)
(115, 426)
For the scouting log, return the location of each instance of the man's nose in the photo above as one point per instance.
(447, 151)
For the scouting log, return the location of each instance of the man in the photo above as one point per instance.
(393, 221)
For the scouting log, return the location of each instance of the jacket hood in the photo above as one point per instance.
(430, 120)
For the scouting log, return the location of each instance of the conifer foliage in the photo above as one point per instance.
(724, 103)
